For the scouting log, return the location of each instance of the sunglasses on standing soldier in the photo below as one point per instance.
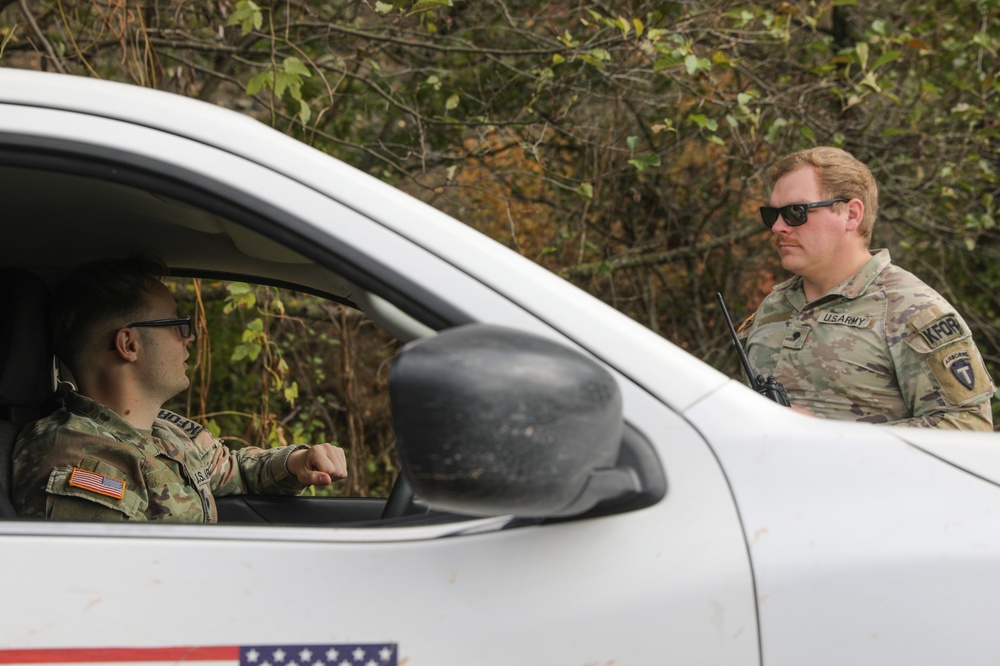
(794, 214)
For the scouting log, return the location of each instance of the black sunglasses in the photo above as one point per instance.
(794, 214)
(183, 324)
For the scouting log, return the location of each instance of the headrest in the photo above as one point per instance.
(26, 376)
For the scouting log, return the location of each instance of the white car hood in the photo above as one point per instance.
(976, 453)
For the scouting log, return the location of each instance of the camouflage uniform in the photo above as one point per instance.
(882, 347)
(85, 462)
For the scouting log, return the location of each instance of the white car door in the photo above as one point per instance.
(668, 583)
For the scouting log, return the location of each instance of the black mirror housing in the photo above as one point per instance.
(494, 421)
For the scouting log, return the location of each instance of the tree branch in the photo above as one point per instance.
(655, 258)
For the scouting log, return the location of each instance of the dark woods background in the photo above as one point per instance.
(619, 145)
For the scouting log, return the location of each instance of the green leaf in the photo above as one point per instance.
(774, 129)
(248, 15)
(887, 57)
(644, 160)
(632, 141)
(740, 18)
(259, 82)
(983, 40)
(596, 57)
(666, 126)
(704, 121)
(428, 5)
(452, 102)
(861, 49)
(383, 8)
(246, 351)
(241, 297)
(295, 67)
(666, 62)
(567, 39)
(291, 393)
(870, 82)
(691, 64)
(623, 25)
(586, 190)
(305, 113)
(238, 288)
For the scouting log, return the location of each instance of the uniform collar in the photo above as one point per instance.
(854, 286)
(850, 288)
(110, 420)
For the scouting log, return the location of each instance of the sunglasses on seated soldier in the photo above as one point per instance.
(183, 324)
(794, 214)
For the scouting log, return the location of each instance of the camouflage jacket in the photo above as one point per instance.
(85, 462)
(882, 347)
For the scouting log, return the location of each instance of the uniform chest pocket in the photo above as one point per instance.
(795, 337)
(164, 477)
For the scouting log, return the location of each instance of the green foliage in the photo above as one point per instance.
(248, 15)
(286, 79)
(276, 367)
(621, 147)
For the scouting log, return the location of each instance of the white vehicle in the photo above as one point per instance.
(597, 496)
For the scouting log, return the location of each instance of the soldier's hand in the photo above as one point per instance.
(319, 465)
(802, 410)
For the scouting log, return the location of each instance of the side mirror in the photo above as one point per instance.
(493, 421)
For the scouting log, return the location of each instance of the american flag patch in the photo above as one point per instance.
(105, 485)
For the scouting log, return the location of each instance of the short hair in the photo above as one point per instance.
(98, 297)
(839, 174)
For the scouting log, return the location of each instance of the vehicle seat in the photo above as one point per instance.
(27, 378)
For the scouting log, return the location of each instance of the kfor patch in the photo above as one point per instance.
(942, 330)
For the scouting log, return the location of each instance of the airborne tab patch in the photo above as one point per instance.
(942, 330)
(103, 485)
(961, 368)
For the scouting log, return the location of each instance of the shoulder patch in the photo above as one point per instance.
(942, 330)
(746, 323)
(961, 374)
(98, 483)
(959, 365)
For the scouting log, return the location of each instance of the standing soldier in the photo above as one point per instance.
(852, 336)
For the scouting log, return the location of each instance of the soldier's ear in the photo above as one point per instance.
(126, 344)
(855, 213)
